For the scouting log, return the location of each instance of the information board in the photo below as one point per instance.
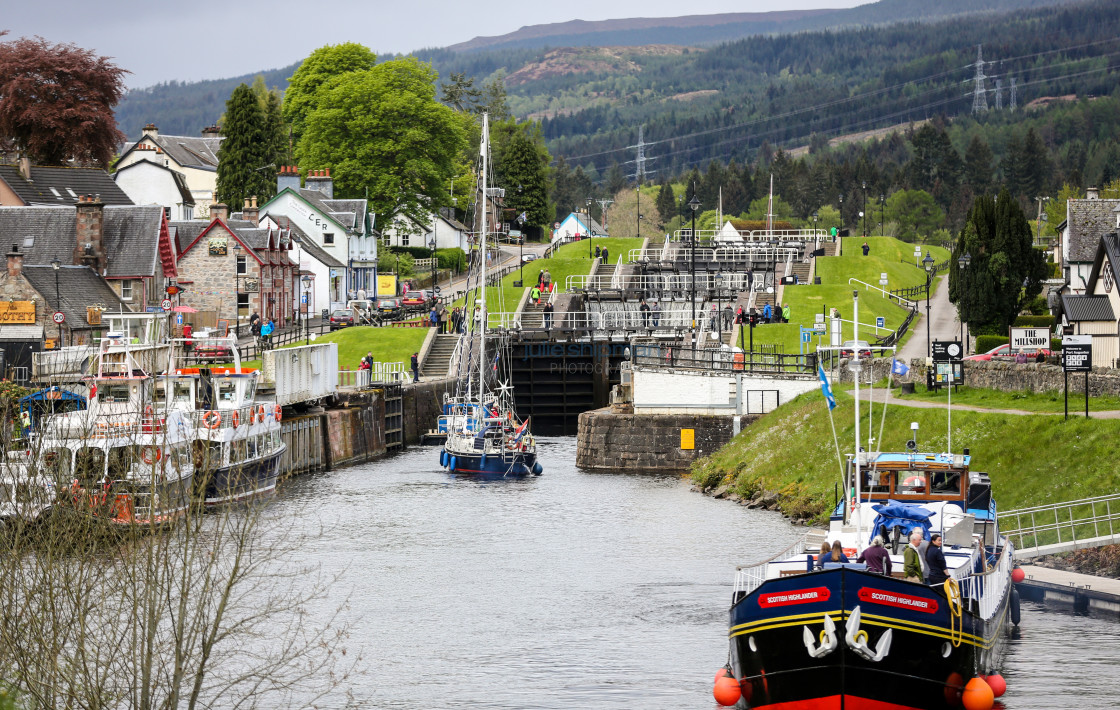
(386, 284)
(947, 351)
(1077, 353)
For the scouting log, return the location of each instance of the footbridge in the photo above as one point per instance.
(1063, 527)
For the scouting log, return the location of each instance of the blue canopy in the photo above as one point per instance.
(908, 516)
(52, 394)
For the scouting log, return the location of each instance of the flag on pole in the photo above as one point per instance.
(520, 431)
(825, 388)
(899, 368)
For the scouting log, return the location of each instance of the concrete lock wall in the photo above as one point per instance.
(657, 391)
(423, 404)
(643, 443)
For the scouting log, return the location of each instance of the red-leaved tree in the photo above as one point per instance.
(56, 102)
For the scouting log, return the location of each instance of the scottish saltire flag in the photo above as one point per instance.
(899, 368)
(825, 389)
(520, 431)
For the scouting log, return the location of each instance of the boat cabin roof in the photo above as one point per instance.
(895, 459)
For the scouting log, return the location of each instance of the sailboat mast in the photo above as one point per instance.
(855, 354)
(482, 255)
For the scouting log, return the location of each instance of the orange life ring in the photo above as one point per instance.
(151, 454)
(236, 419)
(916, 482)
(212, 419)
(261, 414)
(277, 412)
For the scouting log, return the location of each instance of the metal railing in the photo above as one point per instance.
(74, 360)
(805, 235)
(988, 587)
(724, 360)
(358, 379)
(904, 302)
(669, 284)
(750, 577)
(1088, 522)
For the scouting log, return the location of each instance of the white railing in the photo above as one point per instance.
(616, 278)
(988, 587)
(388, 372)
(759, 252)
(757, 235)
(353, 378)
(666, 250)
(670, 283)
(1087, 522)
(750, 577)
(503, 320)
(904, 302)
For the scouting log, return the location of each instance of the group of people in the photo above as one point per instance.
(262, 329)
(650, 314)
(921, 562)
(601, 254)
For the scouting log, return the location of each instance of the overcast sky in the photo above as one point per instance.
(187, 41)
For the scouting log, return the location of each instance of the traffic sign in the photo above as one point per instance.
(59, 317)
(179, 319)
(883, 279)
(880, 322)
(165, 304)
(819, 327)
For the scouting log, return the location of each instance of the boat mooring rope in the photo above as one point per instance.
(956, 624)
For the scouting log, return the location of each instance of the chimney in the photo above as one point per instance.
(15, 262)
(151, 131)
(287, 177)
(1091, 193)
(212, 131)
(251, 213)
(219, 210)
(321, 180)
(89, 250)
(25, 167)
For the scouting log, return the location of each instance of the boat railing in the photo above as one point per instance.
(750, 577)
(1076, 523)
(388, 373)
(987, 587)
(104, 426)
(217, 419)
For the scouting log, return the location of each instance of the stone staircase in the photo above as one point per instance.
(831, 248)
(605, 274)
(532, 316)
(801, 270)
(438, 359)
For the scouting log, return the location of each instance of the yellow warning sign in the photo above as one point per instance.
(688, 438)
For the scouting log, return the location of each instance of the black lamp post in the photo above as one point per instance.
(840, 228)
(816, 216)
(928, 264)
(307, 307)
(693, 204)
(237, 288)
(588, 227)
(397, 273)
(521, 242)
(638, 209)
(57, 297)
(432, 246)
(719, 309)
(882, 215)
(864, 213)
(963, 262)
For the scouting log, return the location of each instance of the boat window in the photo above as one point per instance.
(276, 440)
(910, 481)
(946, 482)
(56, 463)
(878, 481)
(226, 389)
(159, 392)
(250, 390)
(112, 393)
(121, 459)
(237, 451)
(89, 464)
(181, 392)
(251, 447)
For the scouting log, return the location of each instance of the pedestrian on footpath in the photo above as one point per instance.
(644, 308)
(415, 367)
(656, 313)
(535, 295)
(785, 313)
(866, 249)
(548, 316)
(728, 316)
(605, 257)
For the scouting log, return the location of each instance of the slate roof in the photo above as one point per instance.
(131, 236)
(596, 228)
(183, 233)
(1089, 220)
(1087, 308)
(78, 288)
(189, 151)
(67, 183)
(345, 212)
(179, 179)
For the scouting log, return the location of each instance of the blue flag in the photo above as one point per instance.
(898, 367)
(825, 389)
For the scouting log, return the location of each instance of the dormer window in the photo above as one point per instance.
(72, 193)
(56, 193)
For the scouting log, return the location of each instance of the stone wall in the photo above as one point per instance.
(423, 405)
(1004, 376)
(647, 443)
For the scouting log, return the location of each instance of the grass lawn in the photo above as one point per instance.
(884, 257)
(1024, 400)
(387, 344)
(791, 451)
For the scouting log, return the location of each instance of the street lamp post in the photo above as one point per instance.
(521, 242)
(588, 227)
(638, 209)
(432, 246)
(57, 297)
(306, 307)
(864, 213)
(840, 209)
(882, 215)
(719, 304)
(928, 263)
(693, 204)
(963, 262)
(237, 289)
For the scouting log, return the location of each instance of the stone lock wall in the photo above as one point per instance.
(647, 443)
(1004, 376)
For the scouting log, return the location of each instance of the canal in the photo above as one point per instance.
(574, 590)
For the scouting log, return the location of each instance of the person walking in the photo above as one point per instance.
(750, 281)
(548, 315)
(912, 558)
(415, 367)
(728, 316)
(644, 308)
(606, 258)
(547, 280)
(935, 561)
(598, 253)
(713, 318)
(866, 249)
(876, 557)
(739, 316)
(255, 324)
(433, 318)
(535, 295)
(785, 313)
(655, 312)
(767, 313)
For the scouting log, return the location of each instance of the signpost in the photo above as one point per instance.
(165, 304)
(947, 363)
(880, 322)
(1029, 339)
(59, 317)
(1077, 356)
(883, 278)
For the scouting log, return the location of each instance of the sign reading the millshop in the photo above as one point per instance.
(17, 312)
(1029, 339)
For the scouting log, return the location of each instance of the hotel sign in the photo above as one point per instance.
(17, 313)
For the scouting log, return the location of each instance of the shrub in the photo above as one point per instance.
(1055, 344)
(1035, 322)
(984, 343)
(454, 258)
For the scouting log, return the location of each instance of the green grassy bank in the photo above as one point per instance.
(1032, 459)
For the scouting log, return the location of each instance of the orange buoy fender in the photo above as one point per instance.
(727, 691)
(978, 695)
(277, 412)
(998, 685)
(721, 673)
(954, 686)
(261, 414)
(212, 419)
(236, 419)
(1018, 575)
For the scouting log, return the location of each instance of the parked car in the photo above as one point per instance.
(389, 307)
(341, 319)
(415, 301)
(526, 258)
(1003, 353)
(848, 348)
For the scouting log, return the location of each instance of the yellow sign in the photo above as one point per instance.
(688, 438)
(17, 312)
(386, 284)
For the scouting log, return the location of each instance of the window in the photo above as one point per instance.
(910, 482)
(243, 301)
(1108, 278)
(181, 392)
(328, 237)
(126, 290)
(242, 266)
(226, 390)
(404, 239)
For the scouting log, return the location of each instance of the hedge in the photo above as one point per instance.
(984, 343)
(1035, 322)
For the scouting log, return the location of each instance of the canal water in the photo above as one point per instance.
(573, 589)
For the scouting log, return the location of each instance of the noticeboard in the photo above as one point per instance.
(1029, 339)
(947, 351)
(949, 373)
(386, 284)
(1077, 353)
(17, 312)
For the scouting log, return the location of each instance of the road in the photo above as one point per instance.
(943, 324)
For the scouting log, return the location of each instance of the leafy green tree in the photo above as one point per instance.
(384, 136)
(322, 66)
(493, 99)
(758, 208)
(460, 93)
(916, 214)
(521, 167)
(1005, 272)
(244, 154)
(666, 203)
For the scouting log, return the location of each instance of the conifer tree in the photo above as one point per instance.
(243, 155)
(666, 203)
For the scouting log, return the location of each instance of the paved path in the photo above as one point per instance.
(877, 393)
(943, 323)
(1074, 579)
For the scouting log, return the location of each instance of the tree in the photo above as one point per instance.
(666, 203)
(320, 67)
(493, 99)
(521, 167)
(1035, 168)
(916, 214)
(243, 156)
(616, 179)
(978, 165)
(384, 135)
(460, 93)
(1005, 272)
(56, 102)
(935, 166)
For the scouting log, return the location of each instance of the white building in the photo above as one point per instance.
(195, 157)
(575, 226)
(1086, 222)
(151, 183)
(406, 231)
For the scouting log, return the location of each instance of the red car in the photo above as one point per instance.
(1003, 352)
(341, 319)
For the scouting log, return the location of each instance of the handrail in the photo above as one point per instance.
(901, 301)
(750, 577)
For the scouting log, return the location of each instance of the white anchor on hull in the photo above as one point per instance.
(857, 640)
(829, 639)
